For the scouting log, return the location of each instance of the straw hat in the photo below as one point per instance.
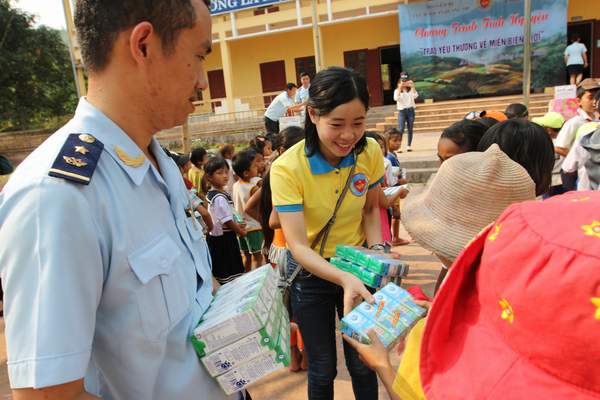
(519, 313)
(469, 191)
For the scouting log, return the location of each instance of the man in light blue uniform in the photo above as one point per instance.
(302, 93)
(281, 105)
(107, 272)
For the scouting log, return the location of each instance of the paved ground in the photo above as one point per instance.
(284, 385)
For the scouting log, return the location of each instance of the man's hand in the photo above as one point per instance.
(354, 292)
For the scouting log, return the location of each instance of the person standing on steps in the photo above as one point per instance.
(576, 59)
(405, 96)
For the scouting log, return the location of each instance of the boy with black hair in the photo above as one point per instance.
(246, 168)
(281, 105)
(574, 165)
(567, 136)
(585, 113)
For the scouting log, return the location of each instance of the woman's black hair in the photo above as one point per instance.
(266, 206)
(516, 110)
(465, 133)
(329, 89)
(290, 136)
(527, 144)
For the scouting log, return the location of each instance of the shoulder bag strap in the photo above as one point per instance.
(324, 232)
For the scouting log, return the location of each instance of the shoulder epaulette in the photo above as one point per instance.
(78, 158)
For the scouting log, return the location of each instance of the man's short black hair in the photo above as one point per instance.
(303, 74)
(290, 86)
(98, 22)
(243, 161)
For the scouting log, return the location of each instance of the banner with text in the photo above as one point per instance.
(226, 6)
(463, 48)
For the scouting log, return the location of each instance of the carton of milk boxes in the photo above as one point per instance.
(374, 268)
(245, 333)
(393, 313)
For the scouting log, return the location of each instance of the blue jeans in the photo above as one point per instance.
(315, 303)
(406, 116)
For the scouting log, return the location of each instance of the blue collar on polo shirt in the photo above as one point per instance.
(319, 165)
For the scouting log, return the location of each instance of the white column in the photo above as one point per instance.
(298, 13)
(234, 31)
(329, 12)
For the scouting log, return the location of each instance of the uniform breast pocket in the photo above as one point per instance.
(161, 297)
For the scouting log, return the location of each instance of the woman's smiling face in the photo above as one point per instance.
(340, 129)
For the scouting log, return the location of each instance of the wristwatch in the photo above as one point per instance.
(377, 246)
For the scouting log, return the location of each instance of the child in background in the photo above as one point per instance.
(227, 151)
(264, 148)
(222, 240)
(196, 203)
(386, 202)
(198, 158)
(394, 141)
(245, 167)
(260, 207)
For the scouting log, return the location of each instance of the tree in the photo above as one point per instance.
(36, 78)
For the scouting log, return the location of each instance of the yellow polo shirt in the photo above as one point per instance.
(195, 175)
(312, 185)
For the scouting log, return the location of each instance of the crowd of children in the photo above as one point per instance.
(489, 160)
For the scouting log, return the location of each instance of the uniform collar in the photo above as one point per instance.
(319, 165)
(113, 137)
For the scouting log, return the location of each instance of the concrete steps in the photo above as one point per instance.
(419, 169)
(434, 117)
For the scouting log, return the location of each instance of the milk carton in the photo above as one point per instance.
(390, 316)
(244, 374)
(241, 309)
(251, 346)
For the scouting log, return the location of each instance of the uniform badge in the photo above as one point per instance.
(77, 159)
(359, 184)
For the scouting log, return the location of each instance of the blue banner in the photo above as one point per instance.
(458, 48)
(226, 6)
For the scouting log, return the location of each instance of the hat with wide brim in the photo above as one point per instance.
(518, 314)
(469, 191)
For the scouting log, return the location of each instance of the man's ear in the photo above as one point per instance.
(140, 40)
(312, 114)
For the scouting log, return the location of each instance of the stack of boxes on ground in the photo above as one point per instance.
(374, 268)
(245, 333)
(392, 314)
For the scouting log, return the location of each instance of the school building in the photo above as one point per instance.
(257, 50)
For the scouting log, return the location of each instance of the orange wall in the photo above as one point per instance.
(586, 9)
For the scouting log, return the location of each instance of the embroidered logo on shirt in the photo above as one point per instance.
(359, 184)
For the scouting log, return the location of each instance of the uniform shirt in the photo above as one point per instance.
(104, 281)
(312, 185)
(220, 208)
(279, 106)
(302, 94)
(405, 100)
(567, 134)
(241, 195)
(578, 156)
(574, 53)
